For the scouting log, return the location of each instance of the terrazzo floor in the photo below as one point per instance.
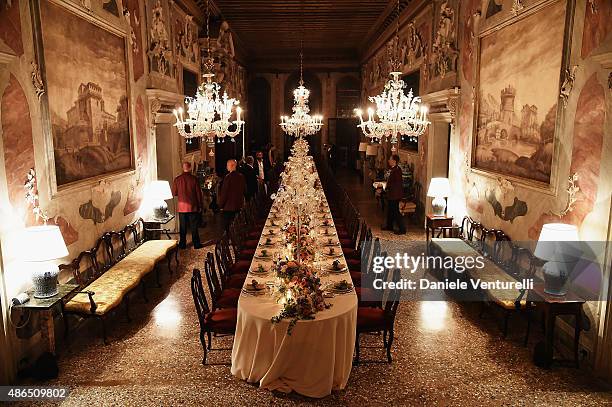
(444, 354)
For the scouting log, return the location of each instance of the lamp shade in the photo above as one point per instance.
(372, 149)
(159, 190)
(550, 246)
(45, 244)
(363, 146)
(439, 187)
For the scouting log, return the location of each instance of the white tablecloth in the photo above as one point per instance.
(314, 359)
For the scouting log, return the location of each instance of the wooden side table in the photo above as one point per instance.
(153, 229)
(45, 307)
(433, 222)
(553, 306)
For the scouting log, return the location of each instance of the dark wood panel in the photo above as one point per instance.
(332, 28)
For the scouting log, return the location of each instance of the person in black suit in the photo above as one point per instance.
(250, 175)
(261, 169)
(231, 197)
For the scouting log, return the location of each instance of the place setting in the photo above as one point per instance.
(255, 288)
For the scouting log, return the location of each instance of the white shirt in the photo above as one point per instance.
(260, 167)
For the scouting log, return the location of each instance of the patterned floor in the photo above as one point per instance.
(444, 355)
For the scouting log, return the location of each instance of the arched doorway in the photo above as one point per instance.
(258, 126)
(313, 84)
(343, 132)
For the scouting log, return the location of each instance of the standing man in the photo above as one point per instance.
(231, 197)
(395, 192)
(250, 177)
(262, 171)
(187, 188)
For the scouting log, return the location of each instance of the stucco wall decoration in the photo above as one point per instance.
(10, 25)
(161, 58)
(131, 13)
(504, 201)
(104, 201)
(444, 52)
(17, 141)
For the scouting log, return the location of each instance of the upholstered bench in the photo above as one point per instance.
(115, 266)
(491, 272)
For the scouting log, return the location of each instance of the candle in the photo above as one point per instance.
(238, 111)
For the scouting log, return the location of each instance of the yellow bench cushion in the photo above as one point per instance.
(109, 289)
(454, 247)
(114, 284)
(153, 250)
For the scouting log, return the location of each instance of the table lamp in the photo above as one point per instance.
(46, 245)
(558, 246)
(157, 193)
(439, 188)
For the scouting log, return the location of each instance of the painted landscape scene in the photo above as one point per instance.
(88, 102)
(519, 91)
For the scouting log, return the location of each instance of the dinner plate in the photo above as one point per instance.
(327, 233)
(336, 291)
(260, 257)
(331, 269)
(254, 292)
(332, 256)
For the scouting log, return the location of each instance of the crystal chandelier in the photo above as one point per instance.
(209, 114)
(399, 114)
(300, 123)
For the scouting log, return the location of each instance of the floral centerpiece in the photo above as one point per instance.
(299, 287)
(299, 292)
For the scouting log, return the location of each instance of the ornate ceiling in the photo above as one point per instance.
(336, 32)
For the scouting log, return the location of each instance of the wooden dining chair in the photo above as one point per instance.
(372, 320)
(229, 276)
(221, 321)
(221, 297)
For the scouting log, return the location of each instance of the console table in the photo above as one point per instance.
(553, 306)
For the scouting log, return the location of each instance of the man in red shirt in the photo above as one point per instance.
(395, 192)
(231, 197)
(187, 188)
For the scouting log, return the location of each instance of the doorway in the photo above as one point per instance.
(259, 127)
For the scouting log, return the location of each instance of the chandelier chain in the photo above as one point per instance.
(399, 114)
(301, 123)
(209, 113)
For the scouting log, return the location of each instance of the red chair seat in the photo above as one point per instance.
(353, 264)
(350, 253)
(347, 242)
(229, 298)
(236, 280)
(356, 277)
(222, 320)
(370, 294)
(240, 267)
(254, 234)
(246, 254)
(370, 319)
(251, 244)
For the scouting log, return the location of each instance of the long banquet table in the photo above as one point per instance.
(316, 357)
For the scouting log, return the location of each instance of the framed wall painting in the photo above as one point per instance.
(86, 111)
(517, 103)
